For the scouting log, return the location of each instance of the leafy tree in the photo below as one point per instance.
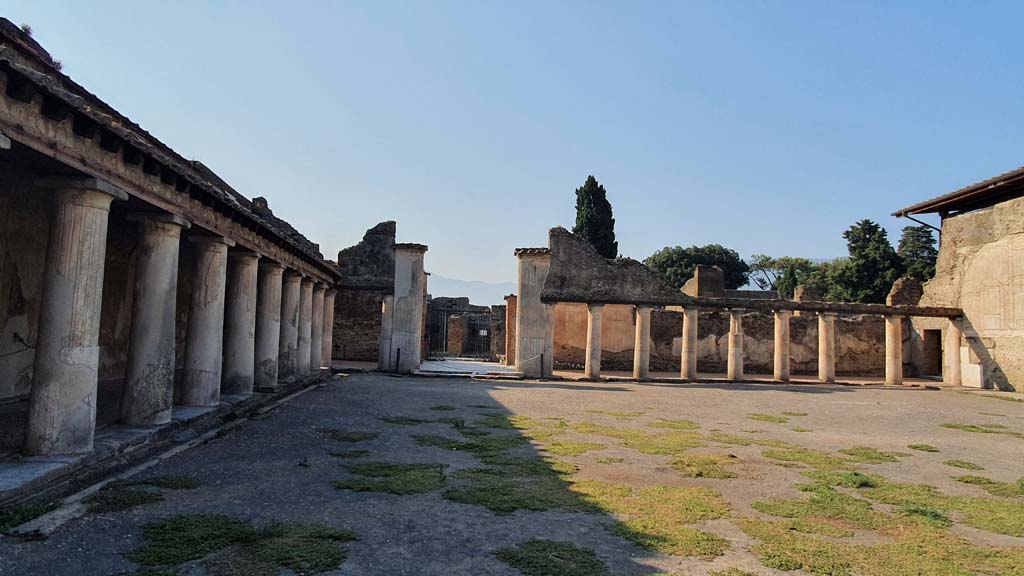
(917, 249)
(873, 265)
(787, 284)
(768, 271)
(594, 221)
(677, 264)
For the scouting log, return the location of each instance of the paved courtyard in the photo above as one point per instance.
(372, 474)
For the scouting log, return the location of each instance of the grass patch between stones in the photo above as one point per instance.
(768, 418)
(966, 465)
(984, 429)
(705, 465)
(347, 435)
(1004, 489)
(923, 447)
(393, 478)
(551, 558)
(14, 516)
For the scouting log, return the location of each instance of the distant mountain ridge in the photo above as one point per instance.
(478, 292)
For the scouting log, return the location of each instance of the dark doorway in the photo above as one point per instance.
(931, 362)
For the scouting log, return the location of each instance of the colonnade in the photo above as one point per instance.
(251, 322)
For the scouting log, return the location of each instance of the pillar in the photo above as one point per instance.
(302, 352)
(592, 363)
(688, 352)
(316, 339)
(893, 350)
(734, 369)
(240, 324)
(148, 394)
(532, 323)
(954, 335)
(62, 406)
(510, 329)
(288, 347)
(268, 326)
(642, 344)
(204, 342)
(385, 356)
(547, 368)
(327, 349)
(826, 347)
(781, 356)
(407, 315)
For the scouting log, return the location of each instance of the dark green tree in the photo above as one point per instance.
(873, 265)
(594, 221)
(917, 249)
(766, 271)
(677, 264)
(787, 284)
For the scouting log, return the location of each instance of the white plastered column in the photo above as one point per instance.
(688, 352)
(204, 342)
(240, 323)
(62, 405)
(780, 372)
(408, 311)
(302, 353)
(826, 347)
(327, 350)
(268, 326)
(316, 339)
(642, 344)
(288, 346)
(734, 367)
(148, 396)
(592, 363)
(954, 335)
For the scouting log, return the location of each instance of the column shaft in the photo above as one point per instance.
(734, 368)
(642, 344)
(305, 329)
(204, 343)
(688, 352)
(532, 324)
(240, 324)
(954, 334)
(62, 406)
(385, 355)
(592, 364)
(826, 347)
(316, 339)
(408, 311)
(288, 347)
(327, 350)
(548, 365)
(893, 350)
(781, 357)
(149, 378)
(268, 326)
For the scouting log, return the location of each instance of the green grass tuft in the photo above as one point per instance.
(705, 465)
(404, 420)
(923, 447)
(966, 465)
(675, 424)
(984, 429)
(1003, 489)
(190, 537)
(394, 478)
(609, 460)
(571, 448)
(168, 482)
(14, 516)
(120, 499)
(925, 513)
(442, 407)
(550, 558)
(347, 435)
(868, 455)
(768, 418)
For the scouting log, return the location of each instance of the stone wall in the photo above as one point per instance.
(357, 317)
(511, 308)
(498, 315)
(458, 332)
(860, 341)
(981, 270)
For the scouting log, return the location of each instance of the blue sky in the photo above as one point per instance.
(764, 126)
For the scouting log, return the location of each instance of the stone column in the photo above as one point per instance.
(893, 350)
(62, 406)
(204, 343)
(781, 359)
(240, 324)
(954, 335)
(592, 364)
(288, 346)
(268, 326)
(302, 353)
(385, 354)
(642, 344)
(316, 339)
(548, 365)
(826, 347)
(407, 315)
(327, 350)
(510, 330)
(149, 378)
(532, 324)
(688, 345)
(734, 369)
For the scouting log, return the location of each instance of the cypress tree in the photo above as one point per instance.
(594, 221)
(917, 248)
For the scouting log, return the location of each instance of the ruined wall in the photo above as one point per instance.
(458, 332)
(860, 341)
(357, 316)
(981, 270)
(498, 315)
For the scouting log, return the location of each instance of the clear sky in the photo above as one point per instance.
(764, 126)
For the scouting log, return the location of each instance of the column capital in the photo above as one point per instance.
(783, 312)
(644, 307)
(244, 254)
(209, 239)
(826, 314)
(143, 217)
(271, 266)
(594, 306)
(293, 275)
(331, 292)
(83, 184)
(319, 287)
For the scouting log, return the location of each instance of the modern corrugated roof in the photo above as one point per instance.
(977, 195)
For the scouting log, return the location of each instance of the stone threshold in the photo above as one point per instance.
(118, 447)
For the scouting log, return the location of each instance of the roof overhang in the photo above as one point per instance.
(980, 195)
